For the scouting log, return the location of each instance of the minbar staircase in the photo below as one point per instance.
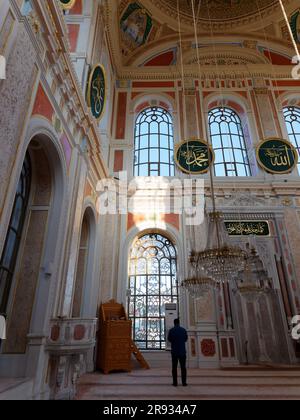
(139, 357)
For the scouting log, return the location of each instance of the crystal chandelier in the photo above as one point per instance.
(198, 284)
(220, 260)
(198, 287)
(254, 281)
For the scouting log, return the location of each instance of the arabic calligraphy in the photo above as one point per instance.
(96, 94)
(279, 156)
(194, 156)
(247, 228)
(98, 90)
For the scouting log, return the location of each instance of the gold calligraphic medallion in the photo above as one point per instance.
(194, 157)
(277, 156)
(96, 91)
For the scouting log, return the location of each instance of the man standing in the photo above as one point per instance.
(178, 337)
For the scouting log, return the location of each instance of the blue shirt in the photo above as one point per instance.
(178, 337)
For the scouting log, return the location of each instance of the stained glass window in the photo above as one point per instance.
(13, 238)
(154, 143)
(153, 284)
(292, 119)
(229, 143)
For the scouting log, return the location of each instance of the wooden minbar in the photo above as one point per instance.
(115, 341)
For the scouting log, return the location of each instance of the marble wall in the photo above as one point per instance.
(15, 104)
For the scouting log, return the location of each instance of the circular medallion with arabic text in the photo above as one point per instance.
(277, 156)
(194, 157)
(96, 92)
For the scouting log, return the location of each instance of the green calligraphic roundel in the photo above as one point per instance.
(277, 156)
(67, 4)
(96, 92)
(295, 26)
(194, 157)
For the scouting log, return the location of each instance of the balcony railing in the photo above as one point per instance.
(70, 336)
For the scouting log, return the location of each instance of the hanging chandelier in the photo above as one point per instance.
(198, 287)
(255, 281)
(198, 284)
(220, 261)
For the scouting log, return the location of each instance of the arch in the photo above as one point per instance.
(83, 289)
(164, 229)
(141, 101)
(236, 101)
(224, 46)
(225, 55)
(153, 282)
(288, 99)
(229, 143)
(31, 300)
(154, 143)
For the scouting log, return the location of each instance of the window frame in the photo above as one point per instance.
(150, 146)
(16, 229)
(235, 160)
(293, 137)
(142, 281)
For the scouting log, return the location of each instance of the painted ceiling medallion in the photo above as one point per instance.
(217, 10)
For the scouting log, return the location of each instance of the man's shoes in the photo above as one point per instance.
(184, 384)
(176, 385)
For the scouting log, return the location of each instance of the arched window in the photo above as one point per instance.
(152, 283)
(292, 119)
(82, 267)
(13, 238)
(229, 143)
(154, 143)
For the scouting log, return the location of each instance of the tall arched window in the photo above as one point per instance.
(152, 284)
(13, 238)
(154, 143)
(292, 119)
(82, 267)
(229, 143)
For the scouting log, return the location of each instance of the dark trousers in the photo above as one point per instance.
(182, 361)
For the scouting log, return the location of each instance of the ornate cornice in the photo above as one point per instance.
(261, 71)
(55, 39)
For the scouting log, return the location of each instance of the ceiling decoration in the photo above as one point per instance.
(148, 32)
(136, 27)
(216, 10)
